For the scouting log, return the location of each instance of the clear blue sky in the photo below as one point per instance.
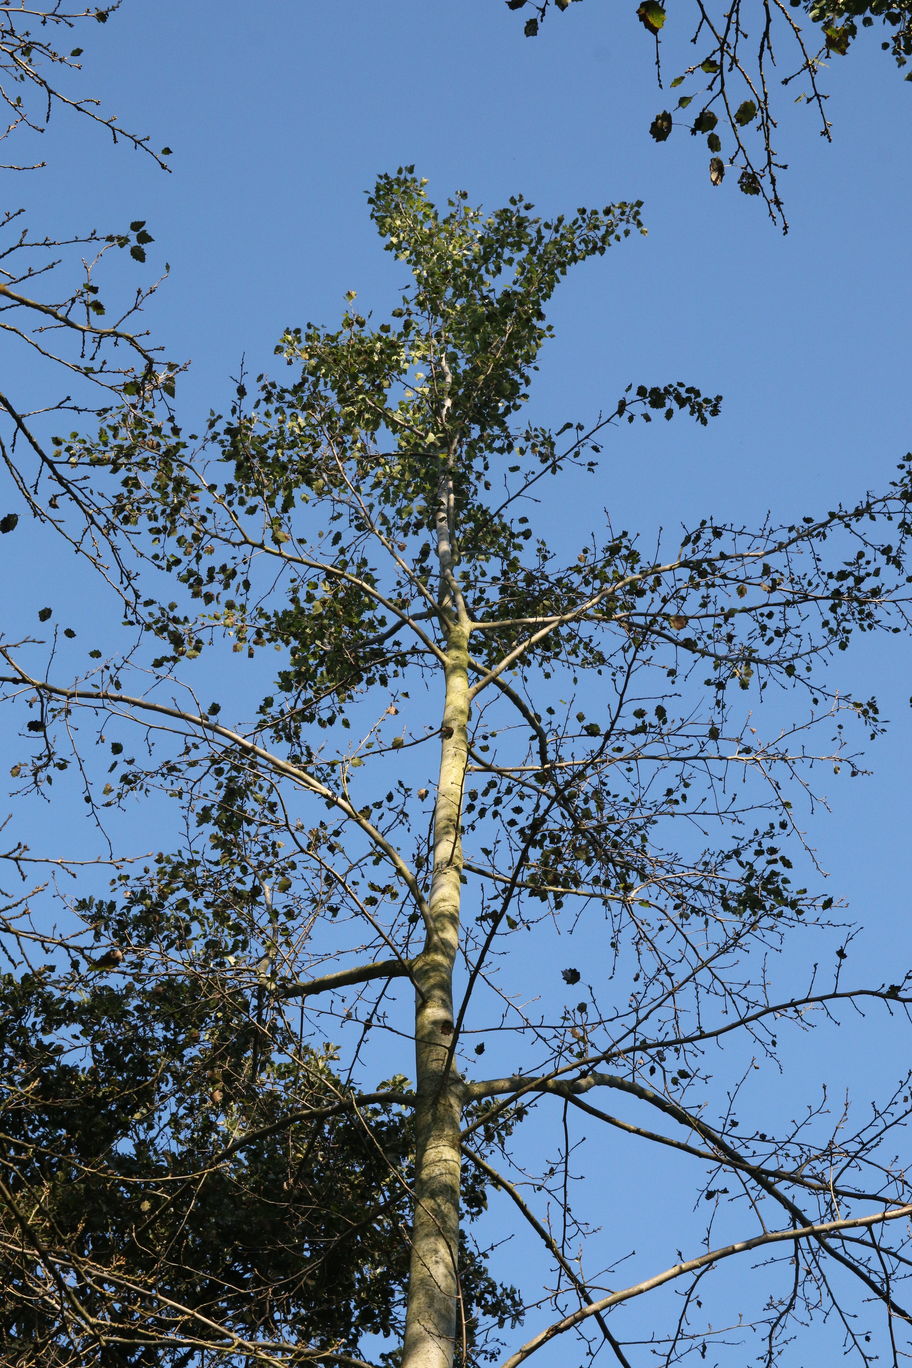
(280, 115)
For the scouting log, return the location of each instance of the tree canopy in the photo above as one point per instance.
(485, 833)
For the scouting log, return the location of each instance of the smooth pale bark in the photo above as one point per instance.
(431, 1320)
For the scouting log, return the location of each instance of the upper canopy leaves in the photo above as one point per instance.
(475, 318)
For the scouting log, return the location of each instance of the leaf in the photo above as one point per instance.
(660, 127)
(515, 4)
(677, 622)
(570, 975)
(137, 253)
(745, 113)
(705, 122)
(530, 28)
(716, 170)
(8, 522)
(44, 614)
(838, 37)
(651, 15)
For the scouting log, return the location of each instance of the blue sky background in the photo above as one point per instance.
(280, 116)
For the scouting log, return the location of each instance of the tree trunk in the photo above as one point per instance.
(433, 1297)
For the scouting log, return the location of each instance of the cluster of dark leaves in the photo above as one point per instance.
(147, 1168)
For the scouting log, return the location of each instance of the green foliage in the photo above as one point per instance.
(651, 15)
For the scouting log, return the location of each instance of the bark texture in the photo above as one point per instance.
(431, 1323)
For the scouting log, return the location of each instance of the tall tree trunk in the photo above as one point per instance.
(431, 1320)
(433, 1295)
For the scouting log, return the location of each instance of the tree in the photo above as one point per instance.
(51, 306)
(726, 64)
(488, 745)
